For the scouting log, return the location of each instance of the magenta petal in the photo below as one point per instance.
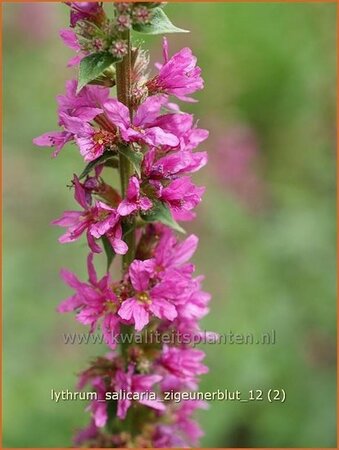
(49, 139)
(74, 125)
(155, 404)
(88, 149)
(87, 113)
(149, 110)
(184, 216)
(118, 113)
(132, 308)
(67, 237)
(126, 309)
(68, 219)
(92, 244)
(140, 316)
(79, 192)
(156, 136)
(119, 246)
(140, 273)
(145, 382)
(70, 304)
(110, 328)
(123, 406)
(145, 203)
(126, 207)
(163, 309)
(75, 60)
(88, 316)
(165, 49)
(70, 279)
(69, 38)
(100, 228)
(133, 189)
(100, 415)
(55, 139)
(131, 135)
(186, 249)
(91, 270)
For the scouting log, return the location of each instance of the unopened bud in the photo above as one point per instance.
(98, 44)
(119, 48)
(141, 15)
(123, 22)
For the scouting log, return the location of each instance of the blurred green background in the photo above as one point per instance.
(266, 225)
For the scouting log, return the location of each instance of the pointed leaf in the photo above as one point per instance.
(161, 213)
(134, 157)
(159, 24)
(92, 66)
(107, 158)
(110, 253)
(127, 227)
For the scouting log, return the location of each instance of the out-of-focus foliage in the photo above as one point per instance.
(266, 225)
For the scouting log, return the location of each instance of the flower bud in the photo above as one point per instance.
(141, 15)
(119, 48)
(123, 22)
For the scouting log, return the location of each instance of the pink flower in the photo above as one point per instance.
(97, 221)
(131, 382)
(141, 128)
(83, 107)
(93, 301)
(182, 196)
(178, 75)
(183, 126)
(148, 299)
(79, 104)
(183, 363)
(171, 253)
(172, 164)
(134, 201)
(92, 142)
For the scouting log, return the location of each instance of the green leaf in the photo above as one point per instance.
(110, 253)
(159, 24)
(134, 157)
(127, 227)
(92, 66)
(107, 157)
(161, 213)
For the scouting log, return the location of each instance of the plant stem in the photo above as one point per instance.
(123, 82)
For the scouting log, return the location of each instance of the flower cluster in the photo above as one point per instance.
(157, 291)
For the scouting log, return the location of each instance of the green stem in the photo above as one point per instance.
(123, 82)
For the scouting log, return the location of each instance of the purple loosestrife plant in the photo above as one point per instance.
(145, 137)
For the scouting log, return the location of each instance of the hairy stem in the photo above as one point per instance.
(123, 82)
